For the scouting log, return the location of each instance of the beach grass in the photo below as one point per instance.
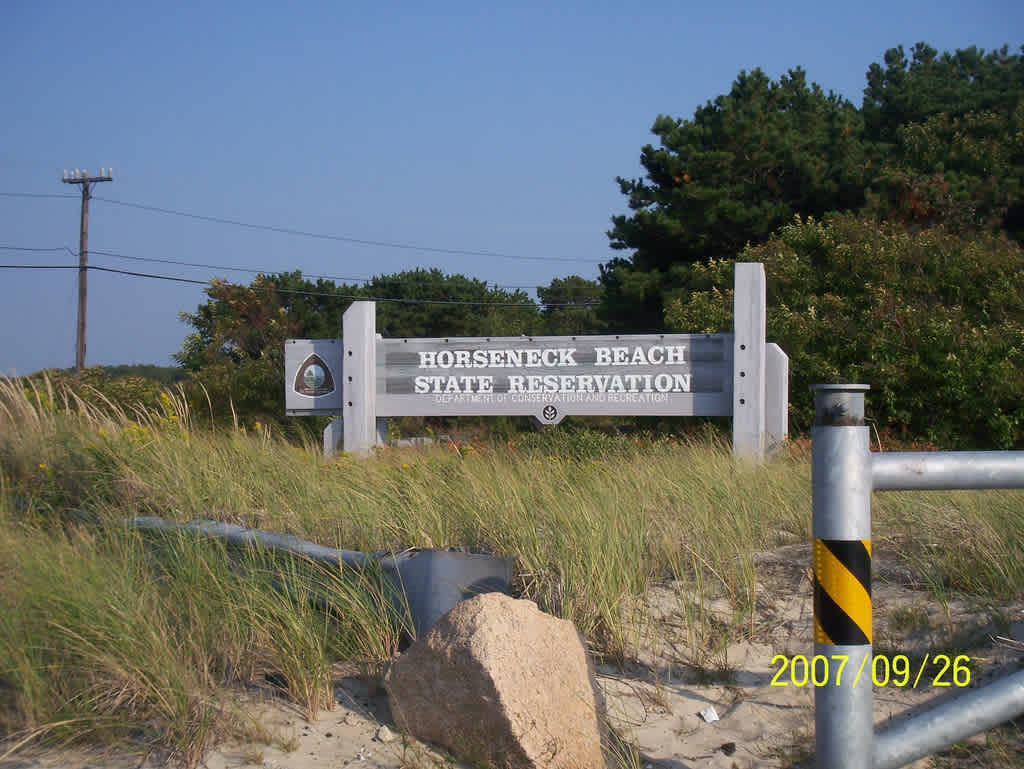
(110, 634)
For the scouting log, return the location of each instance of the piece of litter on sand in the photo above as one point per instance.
(709, 714)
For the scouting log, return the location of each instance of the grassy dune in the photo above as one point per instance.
(108, 635)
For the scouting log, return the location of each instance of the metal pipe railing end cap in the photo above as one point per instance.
(839, 405)
(840, 388)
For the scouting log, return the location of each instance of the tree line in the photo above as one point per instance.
(891, 232)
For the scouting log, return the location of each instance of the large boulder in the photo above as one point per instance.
(501, 683)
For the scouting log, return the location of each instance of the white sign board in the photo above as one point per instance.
(551, 377)
(547, 377)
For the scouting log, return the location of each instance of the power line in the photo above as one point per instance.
(178, 279)
(334, 295)
(309, 234)
(29, 248)
(344, 238)
(396, 300)
(255, 271)
(251, 270)
(278, 289)
(37, 195)
(39, 266)
(148, 275)
(181, 263)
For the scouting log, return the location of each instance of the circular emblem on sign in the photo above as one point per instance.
(549, 413)
(314, 377)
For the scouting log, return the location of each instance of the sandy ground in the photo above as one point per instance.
(656, 701)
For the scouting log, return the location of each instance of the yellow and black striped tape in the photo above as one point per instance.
(842, 591)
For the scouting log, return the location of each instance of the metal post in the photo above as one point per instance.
(841, 505)
(844, 473)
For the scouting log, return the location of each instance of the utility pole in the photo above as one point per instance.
(82, 177)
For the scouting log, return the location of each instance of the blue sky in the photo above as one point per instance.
(475, 126)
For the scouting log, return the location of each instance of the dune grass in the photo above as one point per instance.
(110, 635)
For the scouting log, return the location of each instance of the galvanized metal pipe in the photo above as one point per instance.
(238, 535)
(844, 473)
(920, 471)
(428, 582)
(954, 720)
(841, 504)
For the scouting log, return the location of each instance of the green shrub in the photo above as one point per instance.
(99, 387)
(934, 322)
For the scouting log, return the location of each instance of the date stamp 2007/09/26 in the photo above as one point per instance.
(895, 670)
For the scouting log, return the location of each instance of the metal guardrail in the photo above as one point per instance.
(844, 473)
(428, 581)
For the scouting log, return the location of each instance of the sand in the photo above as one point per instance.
(656, 699)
